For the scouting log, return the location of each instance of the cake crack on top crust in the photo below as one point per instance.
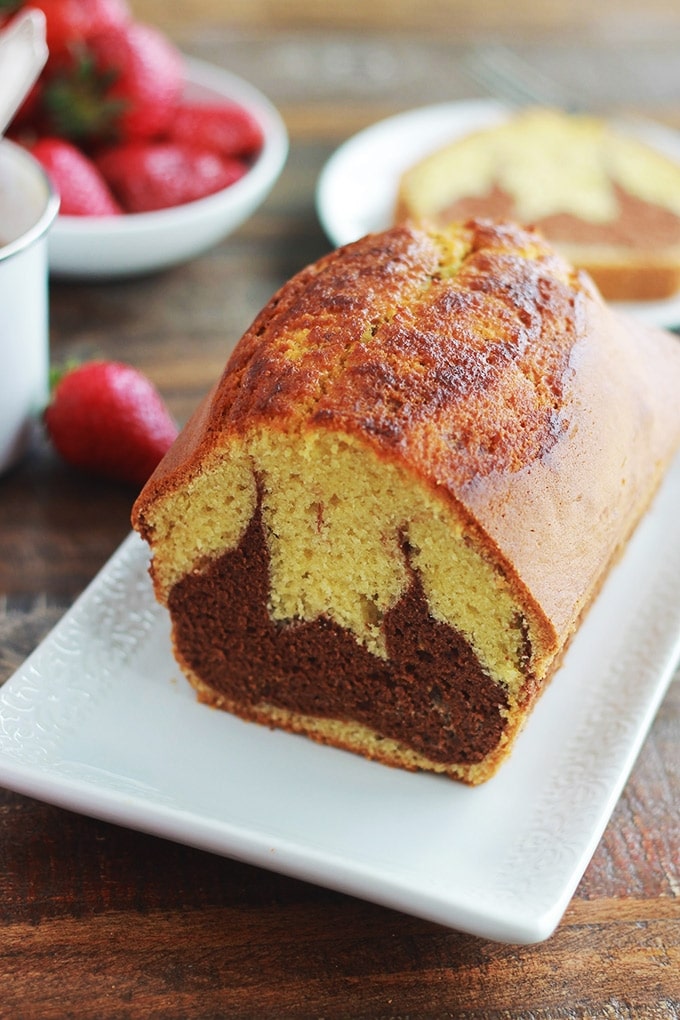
(446, 340)
(386, 521)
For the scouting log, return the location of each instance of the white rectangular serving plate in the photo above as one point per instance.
(98, 720)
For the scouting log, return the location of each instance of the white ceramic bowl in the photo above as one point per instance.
(98, 247)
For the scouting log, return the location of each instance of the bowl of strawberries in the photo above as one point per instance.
(156, 157)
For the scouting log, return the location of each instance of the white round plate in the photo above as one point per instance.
(99, 247)
(357, 188)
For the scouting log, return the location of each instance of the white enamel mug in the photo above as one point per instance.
(28, 207)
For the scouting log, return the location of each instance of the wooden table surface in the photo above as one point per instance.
(100, 921)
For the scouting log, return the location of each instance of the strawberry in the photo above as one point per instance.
(149, 176)
(226, 128)
(107, 418)
(81, 187)
(69, 23)
(125, 83)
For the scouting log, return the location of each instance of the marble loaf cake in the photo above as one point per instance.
(382, 526)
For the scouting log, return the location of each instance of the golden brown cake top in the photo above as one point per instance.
(453, 343)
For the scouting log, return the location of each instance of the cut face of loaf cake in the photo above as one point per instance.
(382, 526)
(609, 202)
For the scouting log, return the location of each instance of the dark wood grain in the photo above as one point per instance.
(99, 921)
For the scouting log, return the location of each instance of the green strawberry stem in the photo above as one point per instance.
(57, 373)
(76, 105)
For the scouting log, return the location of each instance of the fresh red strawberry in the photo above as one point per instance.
(149, 76)
(107, 418)
(81, 187)
(145, 177)
(227, 128)
(69, 23)
(125, 84)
